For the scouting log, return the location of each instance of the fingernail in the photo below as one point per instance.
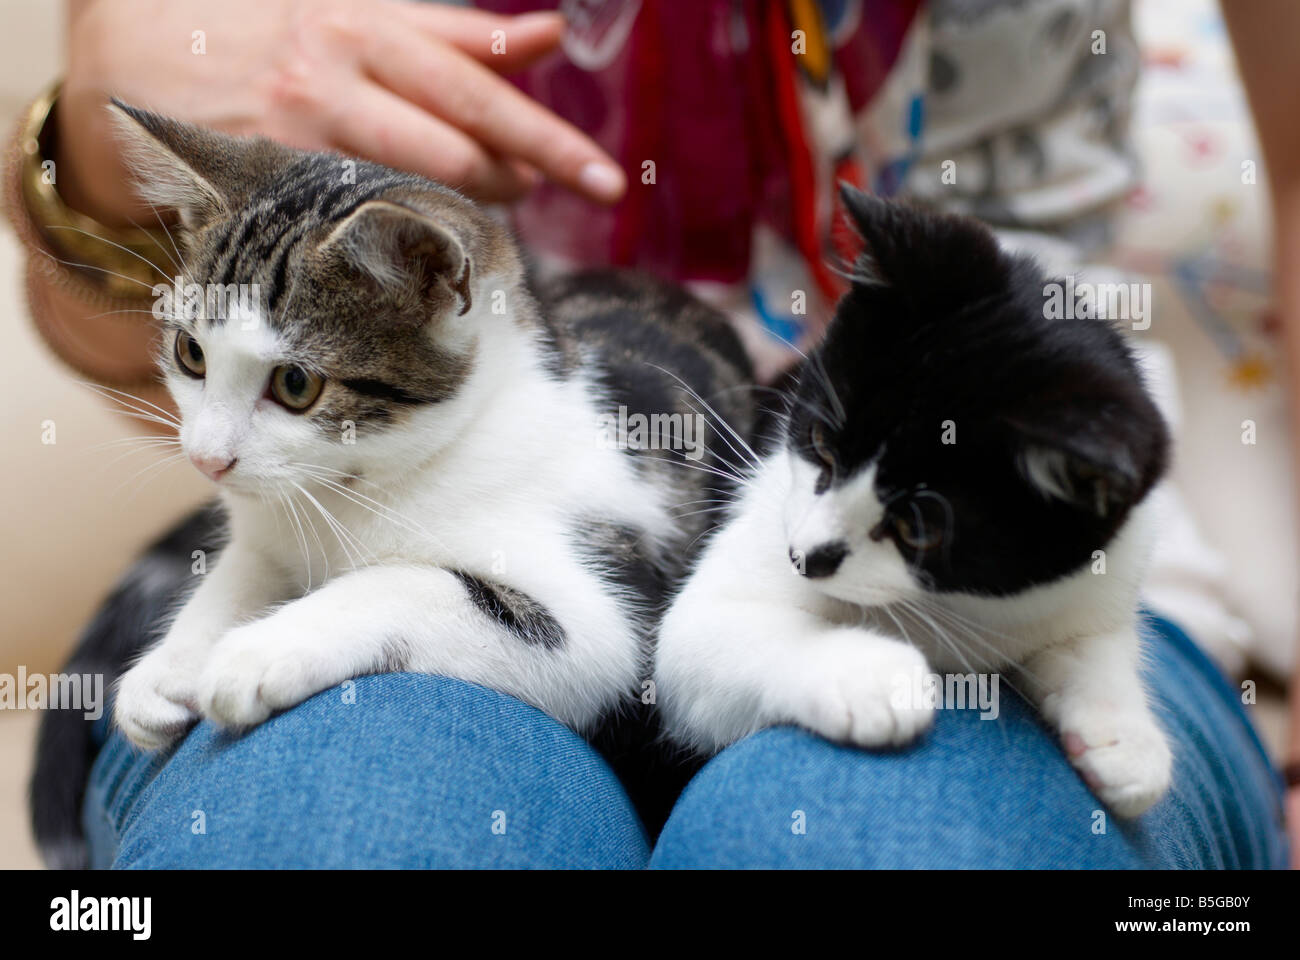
(603, 181)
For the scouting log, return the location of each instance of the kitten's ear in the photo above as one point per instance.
(403, 249)
(921, 252)
(199, 173)
(1099, 475)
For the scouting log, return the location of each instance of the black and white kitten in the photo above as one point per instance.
(960, 484)
(406, 443)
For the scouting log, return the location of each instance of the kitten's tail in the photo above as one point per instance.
(131, 617)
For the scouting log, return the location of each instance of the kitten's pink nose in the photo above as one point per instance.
(214, 468)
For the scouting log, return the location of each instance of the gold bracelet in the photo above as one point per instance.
(95, 262)
(68, 264)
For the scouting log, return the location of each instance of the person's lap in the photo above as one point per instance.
(415, 771)
(397, 770)
(984, 793)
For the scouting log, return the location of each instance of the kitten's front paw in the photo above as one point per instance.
(850, 692)
(1122, 754)
(156, 700)
(255, 671)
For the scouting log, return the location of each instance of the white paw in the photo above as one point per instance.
(156, 699)
(1121, 753)
(258, 669)
(850, 691)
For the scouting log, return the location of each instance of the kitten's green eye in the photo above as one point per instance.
(817, 437)
(190, 355)
(295, 387)
(918, 535)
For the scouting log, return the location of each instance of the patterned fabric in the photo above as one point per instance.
(1198, 230)
(1027, 109)
(736, 120)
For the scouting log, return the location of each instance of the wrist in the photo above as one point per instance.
(91, 179)
(107, 261)
(88, 285)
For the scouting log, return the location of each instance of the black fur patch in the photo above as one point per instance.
(651, 346)
(386, 391)
(653, 771)
(395, 656)
(618, 554)
(517, 612)
(943, 369)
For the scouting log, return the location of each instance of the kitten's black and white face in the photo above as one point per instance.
(946, 436)
(361, 283)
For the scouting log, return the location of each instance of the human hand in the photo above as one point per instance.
(410, 85)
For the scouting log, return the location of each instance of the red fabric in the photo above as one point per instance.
(708, 90)
(799, 161)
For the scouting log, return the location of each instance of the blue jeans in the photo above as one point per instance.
(402, 770)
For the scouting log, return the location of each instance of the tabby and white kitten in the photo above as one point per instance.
(407, 444)
(951, 469)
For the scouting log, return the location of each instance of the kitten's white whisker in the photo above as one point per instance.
(150, 448)
(381, 510)
(717, 503)
(337, 474)
(175, 249)
(113, 243)
(110, 313)
(340, 531)
(748, 463)
(91, 266)
(944, 637)
(121, 397)
(973, 632)
(700, 510)
(325, 557)
(753, 461)
(302, 536)
(701, 467)
(147, 440)
(311, 523)
(147, 468)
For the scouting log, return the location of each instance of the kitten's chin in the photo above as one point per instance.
(254, 487)
(242, 492)
(244, 485)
